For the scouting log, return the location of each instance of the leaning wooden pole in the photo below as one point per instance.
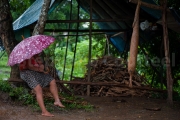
(167, 55)
(134, 44)
(39, 28)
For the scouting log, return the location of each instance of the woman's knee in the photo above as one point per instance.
(53, 82)
(38, 89)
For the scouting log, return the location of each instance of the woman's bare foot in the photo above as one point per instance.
(59, 104)
(47, 114)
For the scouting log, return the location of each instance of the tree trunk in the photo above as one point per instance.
(7, 33)
(39, 28)
(166, 47)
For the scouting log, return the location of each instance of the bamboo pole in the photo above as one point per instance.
(134, 44)
(90, 48)
(67, 43)
(75, 47)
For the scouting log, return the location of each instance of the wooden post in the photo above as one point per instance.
(167, 55)
(134, 44)
(152, 6)
(166, 44)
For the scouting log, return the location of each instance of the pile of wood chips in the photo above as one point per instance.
(114, 70)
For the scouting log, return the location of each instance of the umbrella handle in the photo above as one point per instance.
(22, 37)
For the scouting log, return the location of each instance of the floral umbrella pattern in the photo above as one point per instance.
(28, 48)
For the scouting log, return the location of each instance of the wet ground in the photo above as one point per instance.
(106, 108)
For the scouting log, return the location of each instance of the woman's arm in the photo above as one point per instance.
(31, 65)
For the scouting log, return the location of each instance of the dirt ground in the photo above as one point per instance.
(106, 108)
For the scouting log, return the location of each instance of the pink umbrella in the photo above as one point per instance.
(28, 48)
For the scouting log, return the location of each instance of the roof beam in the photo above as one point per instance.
(148, 5)
(88, 20)
(87, 30)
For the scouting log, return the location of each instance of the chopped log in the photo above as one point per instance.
(110, 82)
(118, 89)
(136, 83)
(98, 93)
(125, 82)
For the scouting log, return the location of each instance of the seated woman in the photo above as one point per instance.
(31, 73)
(39, 63)
(24, 65)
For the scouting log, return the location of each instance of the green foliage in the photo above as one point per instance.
(5, 70)
(17, 7)
(174, 4)
(78, 106)
(22, 94)
(81, 57)
(153, 68)
(5, 86)
(17, 93)
(76, 103)
(4, 59)
(64, 12)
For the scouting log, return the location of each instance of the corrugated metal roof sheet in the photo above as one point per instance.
(124, 12)
(30, 16)
(102, 9)
(173, 20)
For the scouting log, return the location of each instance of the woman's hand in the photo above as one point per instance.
(32, 66)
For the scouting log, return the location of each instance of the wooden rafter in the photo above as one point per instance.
(157, 7)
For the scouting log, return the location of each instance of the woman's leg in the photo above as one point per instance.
(39, 97)
(54, 91)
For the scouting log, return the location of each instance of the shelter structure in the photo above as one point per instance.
(114, 19)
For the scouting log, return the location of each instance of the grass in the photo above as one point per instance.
(23, 95)
(4, 69)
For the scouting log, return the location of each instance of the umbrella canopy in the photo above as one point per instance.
(28, 48)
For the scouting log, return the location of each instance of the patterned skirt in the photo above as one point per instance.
(34, 78)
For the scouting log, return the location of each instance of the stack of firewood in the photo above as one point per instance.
(109, 69)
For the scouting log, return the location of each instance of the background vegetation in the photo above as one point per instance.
(65, 47)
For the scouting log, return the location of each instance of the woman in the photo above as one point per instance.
(39, 63)
(31, 73)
